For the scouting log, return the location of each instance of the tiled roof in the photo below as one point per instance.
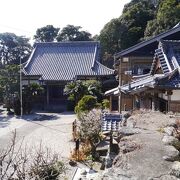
(66, 60)
(111, 122)
(171, 81)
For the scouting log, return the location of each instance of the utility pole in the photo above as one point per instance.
(21, 88)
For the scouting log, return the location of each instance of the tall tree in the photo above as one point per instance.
(13, 49)
(127, 30)
(46, 34)
(73, 33)
(168, 15)
(9, 82)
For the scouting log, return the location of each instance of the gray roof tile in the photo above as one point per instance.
(66, 60)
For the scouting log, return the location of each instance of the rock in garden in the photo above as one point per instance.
(175, 169)
(170, 140)
(72, 163)
(128, 131)
(172, 153)
(164, 177)
(169, 130)
(131, 123)
(128, 146)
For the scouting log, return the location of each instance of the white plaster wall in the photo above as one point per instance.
(176, 95)
(25, 82)
(163, 96)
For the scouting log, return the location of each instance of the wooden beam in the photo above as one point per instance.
(47, 94)
(110, 99)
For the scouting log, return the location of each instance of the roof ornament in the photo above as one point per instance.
(94, 58)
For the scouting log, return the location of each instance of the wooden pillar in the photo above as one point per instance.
(110, 99)
(119, 102)
(47, 95)
(169, 93)
(169, 99)
(153, 104)
(28, 81)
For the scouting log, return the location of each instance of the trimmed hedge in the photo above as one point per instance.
(87, 103)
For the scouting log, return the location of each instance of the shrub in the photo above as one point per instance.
(17, 106)
(70, 105)
(41, 164)
(77, 89)
(82, 154)
(90, 128)
(105, 104)
(87, 103)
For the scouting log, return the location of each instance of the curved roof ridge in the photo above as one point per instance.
(63, 43)
(105, 67)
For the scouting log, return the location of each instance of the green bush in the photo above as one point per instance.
(87, 103)
(17, 106)
(70, 105)
(106, 104)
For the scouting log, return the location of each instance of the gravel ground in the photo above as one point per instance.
(50, 130)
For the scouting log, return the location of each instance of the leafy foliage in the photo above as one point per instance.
(13, 49)
(141, 19)
(168, 15)
(46, 34)
(73, 33)
(30, 92)
(9, 83)
(77, 89)
(10, 90)
(94, 88)
(105, 103)
(128, 29)
(87, 103)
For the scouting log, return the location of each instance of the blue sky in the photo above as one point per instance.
(23, 17)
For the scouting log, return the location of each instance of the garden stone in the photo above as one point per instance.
(128, 131)
(164, 177)
(170, 140)
(169, 130)
(172, 153)
(176, 169)
(127, 146)
(130, 123)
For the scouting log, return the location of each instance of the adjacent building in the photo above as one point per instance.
(146, 71)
